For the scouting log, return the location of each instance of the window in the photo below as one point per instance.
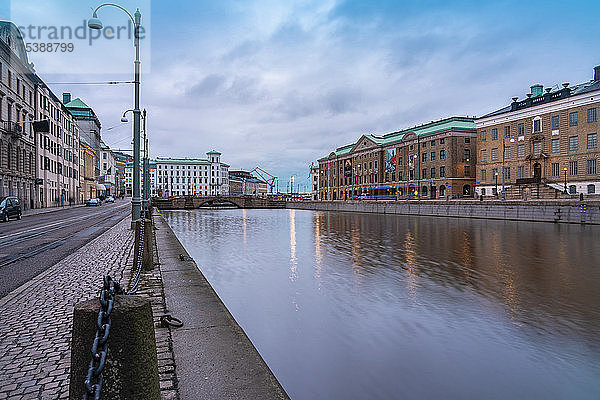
(520, 150)
(555, 169)
(507, 131)
(555, 146)
(573, 119)
(555, 121)
(433, 172)
(495, 154)
(483, 175)
(573, 143)
(483, 156)
(591, 167)
(520, 172)
(442, 154)
(467, 170)
(467, 154)
(482, 136)
(537, 148)
(424, 144)
(424, 157)
(424, 173)
(591, 115)
(592, 140)
(572, 189)
(507, 173)
(521, 129)
(494, 134)
(591, 188)
(573, 168)
(495, 173)
(467, 140)
(507, 152)
(442, 141)
(442, 172)
(432, 156)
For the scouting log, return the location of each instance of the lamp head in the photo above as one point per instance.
(124, 119)
(94, 22)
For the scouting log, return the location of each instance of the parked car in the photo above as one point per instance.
(109, 199)
(92, 202)
(10, 207)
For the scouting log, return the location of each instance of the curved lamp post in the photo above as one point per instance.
(95, 23)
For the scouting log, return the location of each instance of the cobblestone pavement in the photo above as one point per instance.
(36, 318)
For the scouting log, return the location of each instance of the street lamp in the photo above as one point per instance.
(503, 152)
(496, 176)
(565, 169)
(95, 23)
(145, 162)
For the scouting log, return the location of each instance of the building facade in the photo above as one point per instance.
(434, 160)
(192, 176)
(548, 142)
(108, 170)
(58, 152)
(121, 161)
(17, 110)
(152, 173)
(313, 179)
(244, 183)
(87, 179)
(89, 126)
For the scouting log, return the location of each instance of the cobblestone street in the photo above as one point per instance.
(35, 328)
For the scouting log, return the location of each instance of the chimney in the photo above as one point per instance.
(597, 73)
(537, 90)
(66, 97)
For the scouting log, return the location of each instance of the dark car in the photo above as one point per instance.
(10, 207)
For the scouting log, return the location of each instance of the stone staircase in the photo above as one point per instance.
(532, 191)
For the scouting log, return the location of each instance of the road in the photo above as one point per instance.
(30, 246)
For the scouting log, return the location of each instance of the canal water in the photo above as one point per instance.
(366, 306)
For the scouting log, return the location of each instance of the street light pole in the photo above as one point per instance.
(565, 169)
(95, 23)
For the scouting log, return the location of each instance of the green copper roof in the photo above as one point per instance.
(213, 152)
(463, 123)
(78, 103)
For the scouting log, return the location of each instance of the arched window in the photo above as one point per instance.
(591, 188)
(424, 191)
(442, 191)
(572, 189)
(18, 158)
(30, 169)
(24, 160)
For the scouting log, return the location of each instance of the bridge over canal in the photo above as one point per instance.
(193, 202)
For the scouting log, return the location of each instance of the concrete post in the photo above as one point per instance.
(131, 370)
(147, 256)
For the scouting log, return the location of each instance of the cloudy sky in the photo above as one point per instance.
(278, 84)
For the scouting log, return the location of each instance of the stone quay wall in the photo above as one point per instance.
(559, 211)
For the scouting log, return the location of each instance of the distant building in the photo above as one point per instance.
(108, 170)
(129, 178)
(313, 178)
(244, 183)
(550, 143)
(192, 176)
(87, 179)
(121, 161)
(428, 161)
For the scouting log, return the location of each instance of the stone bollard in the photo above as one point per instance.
(147, 255)
(131, 370)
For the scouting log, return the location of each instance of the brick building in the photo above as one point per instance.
(429, 161)
(550, 143)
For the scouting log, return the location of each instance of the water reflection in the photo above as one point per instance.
(401, 307)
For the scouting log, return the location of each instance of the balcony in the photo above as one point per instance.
(11, 127)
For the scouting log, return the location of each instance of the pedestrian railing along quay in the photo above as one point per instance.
(130, 369)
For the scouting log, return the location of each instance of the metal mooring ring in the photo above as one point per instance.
(169, 320)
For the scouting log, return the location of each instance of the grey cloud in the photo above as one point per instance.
(207, 86)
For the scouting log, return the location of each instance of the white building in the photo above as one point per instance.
(108, 170)
(129, 178)
(192, 176)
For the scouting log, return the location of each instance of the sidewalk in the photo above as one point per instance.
(214, 359)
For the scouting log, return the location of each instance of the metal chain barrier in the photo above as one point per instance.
(100, 344)
(110, 288)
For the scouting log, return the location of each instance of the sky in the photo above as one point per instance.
(279, 84)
